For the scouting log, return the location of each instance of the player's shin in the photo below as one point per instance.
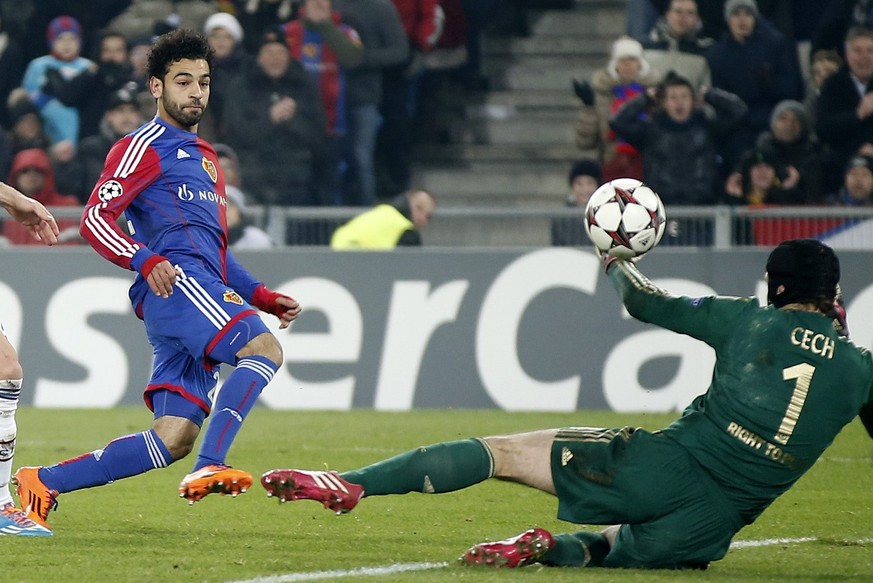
(234, 401)
(443, 467)
(126, 456)
(9, 394)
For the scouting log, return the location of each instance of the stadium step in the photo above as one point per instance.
(514, 144)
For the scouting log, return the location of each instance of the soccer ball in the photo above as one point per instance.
(625, 218)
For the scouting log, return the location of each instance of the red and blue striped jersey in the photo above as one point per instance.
(315, 54)
(169, 186)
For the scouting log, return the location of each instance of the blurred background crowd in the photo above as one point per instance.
(322, 103)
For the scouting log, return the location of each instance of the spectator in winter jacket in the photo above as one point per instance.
(121, 117)
(674, 44)
(763, 181)
(585, 176)
(385, 45)
(25, 129)
(32, 174)
(225, 37)
(422, 24)
(276, 125)
(44, 74)
(759, 64)
(796, 149)
(327, 48)
(844, 112)
(857, 188)
(678, 144)
(678, 140)
(626, 76)
(822, 64)
(91, 91)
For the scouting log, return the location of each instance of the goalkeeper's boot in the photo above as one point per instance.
(326, 487)
(528, 547)
(36, 498)
(14, 522)
(214, 479)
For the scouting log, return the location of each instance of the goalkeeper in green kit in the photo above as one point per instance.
(786, 381)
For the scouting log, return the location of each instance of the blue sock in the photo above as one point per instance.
(234, 401)
(124, 457)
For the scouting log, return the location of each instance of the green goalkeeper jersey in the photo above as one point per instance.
(784, 385)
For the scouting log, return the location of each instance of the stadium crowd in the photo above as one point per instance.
(312, 100)
(740, 102)
(319, 102)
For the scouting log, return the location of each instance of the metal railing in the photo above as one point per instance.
(721, 227)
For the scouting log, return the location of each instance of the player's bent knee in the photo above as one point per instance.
(524, 457)
(177, 434)
(265, 345)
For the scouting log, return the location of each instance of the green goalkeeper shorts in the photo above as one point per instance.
(672, 513)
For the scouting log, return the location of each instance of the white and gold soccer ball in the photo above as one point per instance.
(625, 218)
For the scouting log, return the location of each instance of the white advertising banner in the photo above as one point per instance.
(526, 330)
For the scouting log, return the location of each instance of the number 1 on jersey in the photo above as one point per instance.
(802, 373)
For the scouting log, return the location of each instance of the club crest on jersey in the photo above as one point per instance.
(109, 190)
(231, 297)
(210, 169)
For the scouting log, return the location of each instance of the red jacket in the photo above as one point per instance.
(48, 195)
(420, 22)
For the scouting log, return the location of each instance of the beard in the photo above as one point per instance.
(184, 118)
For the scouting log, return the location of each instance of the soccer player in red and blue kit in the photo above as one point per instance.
(193, 296)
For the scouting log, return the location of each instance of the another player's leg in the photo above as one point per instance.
(537, 545)
(13, 520)
(256, 364)
(435, 469)
(131, 455)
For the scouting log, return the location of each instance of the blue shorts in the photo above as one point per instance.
(203, 323)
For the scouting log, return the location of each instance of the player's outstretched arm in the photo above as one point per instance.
(29, 213)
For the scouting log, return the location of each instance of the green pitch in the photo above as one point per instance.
(139, 530)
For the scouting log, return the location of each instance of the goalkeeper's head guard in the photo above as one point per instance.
(806, 269)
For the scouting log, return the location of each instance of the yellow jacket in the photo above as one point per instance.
(377, 228)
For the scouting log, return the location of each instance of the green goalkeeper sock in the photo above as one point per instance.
(578, 549)
(443, 467)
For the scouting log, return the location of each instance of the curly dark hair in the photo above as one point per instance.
(176, 45)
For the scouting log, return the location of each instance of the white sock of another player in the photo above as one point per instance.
(9, 393)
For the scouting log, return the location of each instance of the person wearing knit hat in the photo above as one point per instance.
(626, 75)
(585, 168)
(796, 150)
(50, 75)
(584, 178)
(764, 181)
(791, 106)
(64, 27)
(225, 37)
(626, 59)
(857, 189)
(273, 34)
(227, 22)
(732, 6)
(760, 65)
